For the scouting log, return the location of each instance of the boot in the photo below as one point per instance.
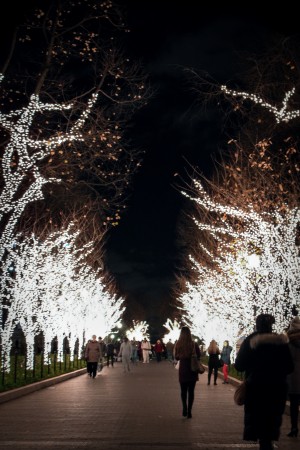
(293, 432)
(265, 444)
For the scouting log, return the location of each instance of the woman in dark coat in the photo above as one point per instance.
(294, 378)
(183, 350)
(213, 361)
(266, 360)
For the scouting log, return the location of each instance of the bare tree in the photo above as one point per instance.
(68, 94)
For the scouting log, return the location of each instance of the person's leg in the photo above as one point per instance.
(215, 375)
(183, 393)
(209, 374)
(89, 368)
(94, 368)
(191, 390)
(294, 412)
(225, 373)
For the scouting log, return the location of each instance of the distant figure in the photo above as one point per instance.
(126, 352)
(213, 361)
(92, 355)
(187, 378)
(225, 355)
(110, 353)
(294, 378)
(158, 348)
(102, 352)
(170, 349)
(146, 349)
(134, 356)
(266, 360)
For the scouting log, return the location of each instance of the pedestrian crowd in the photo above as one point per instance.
(269, 362)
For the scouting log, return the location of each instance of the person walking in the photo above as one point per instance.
(183, 350)
(266, 359)
(134, 356)
(146, 349)
(102, 352)
(294, 378)
(170, 350)
(213, 361)
(125, 353)
(110, 353)
(225, 356)
(158, 348)
(92, 355)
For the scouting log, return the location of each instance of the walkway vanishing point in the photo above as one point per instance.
(140, 410)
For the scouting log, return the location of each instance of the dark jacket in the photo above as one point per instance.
(266, 360)
(110, 349)
(225, 354)
(186, 375)
(294, 377)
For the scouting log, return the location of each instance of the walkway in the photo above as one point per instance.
(138, 410)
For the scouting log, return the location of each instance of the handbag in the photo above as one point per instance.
(196, 365)
(221, 362)
(240, 394)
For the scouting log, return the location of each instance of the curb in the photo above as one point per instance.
(19, 392)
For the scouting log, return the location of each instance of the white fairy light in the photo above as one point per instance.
(281, 114)
(174, 330)
(55, 293)
(138, 331)
(225, 301)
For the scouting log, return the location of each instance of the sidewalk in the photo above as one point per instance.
(138, 410)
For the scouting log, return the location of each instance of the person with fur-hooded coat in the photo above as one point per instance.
(266, 359)
(294, 378)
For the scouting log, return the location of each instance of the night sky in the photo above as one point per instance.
(174, 130)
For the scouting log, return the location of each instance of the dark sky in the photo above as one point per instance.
(167, 37)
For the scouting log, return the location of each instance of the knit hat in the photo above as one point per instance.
(295, 324)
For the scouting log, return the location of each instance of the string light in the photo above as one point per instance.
(223, 301)
(138, 331)
(281, 114)
(55, 293)
(173, 330)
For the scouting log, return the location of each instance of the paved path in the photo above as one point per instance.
(140, 410)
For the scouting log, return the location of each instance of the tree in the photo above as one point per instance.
(67, 95)
(249, 212)
(54, 292)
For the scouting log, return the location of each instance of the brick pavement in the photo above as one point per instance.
(138, 410)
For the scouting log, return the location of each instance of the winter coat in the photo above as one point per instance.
(266, 360)
(92, 351)
(294, 377)
(225, 354)
(110, 348)
(125, 350)
(213, 356)
(186, 375)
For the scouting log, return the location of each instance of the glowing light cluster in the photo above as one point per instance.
(54, 292)
(225, 299)
(281, 114)
(174, 330)
(21, 156)
(138, 331)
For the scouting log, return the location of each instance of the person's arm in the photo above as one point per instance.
(242, 357)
